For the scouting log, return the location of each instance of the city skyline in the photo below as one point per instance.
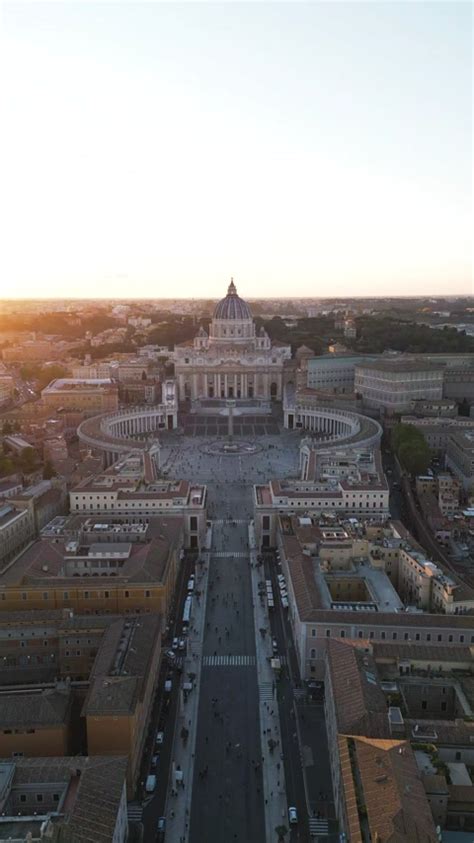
(155, 150)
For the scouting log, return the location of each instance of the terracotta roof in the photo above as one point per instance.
(422, 652)
(146, 562)
(95, 791)
(393, 793)
(30, 711)
(360, 703)
(122, 666)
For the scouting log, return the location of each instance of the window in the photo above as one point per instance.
(371, 633)
(461, 639)
(417, 636)
(440, 637)
(394, 636)
(382, 635)
(106, 594)
(127, 594)
(39, 797)
(450, 638)
(428, 636)
(361, 634)
(55, 797)
(313, 653)
(66, 595)
(86, 594)
(147, 593)
(328, 633)
(313, 632)
(424, 704)
(406, 636)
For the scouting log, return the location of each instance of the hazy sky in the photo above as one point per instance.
(304, 148)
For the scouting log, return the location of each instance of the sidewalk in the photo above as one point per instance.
(274, 788)
(178, 800)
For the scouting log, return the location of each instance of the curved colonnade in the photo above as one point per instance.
(341, 427)
(112, 434)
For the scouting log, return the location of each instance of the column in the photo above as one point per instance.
(226, 388)
(216, 386)
(194, 391)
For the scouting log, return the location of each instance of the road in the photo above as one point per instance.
(227, 801)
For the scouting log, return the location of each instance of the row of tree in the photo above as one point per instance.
(411, 448)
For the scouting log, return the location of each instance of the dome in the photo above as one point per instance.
(232, 307)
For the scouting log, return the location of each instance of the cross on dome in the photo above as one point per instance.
(232, 289)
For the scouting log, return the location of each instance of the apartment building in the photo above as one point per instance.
(349, 481)
(460, 456)
(365, 581)
(73, 799)
(94, 395)
(30, 350)
(111, 567)
(17, 529)
(115, 494)
(100, 669)
(438, 430)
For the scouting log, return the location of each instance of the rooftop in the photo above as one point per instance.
(93, 789)
(47, 561)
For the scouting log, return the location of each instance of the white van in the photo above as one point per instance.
(150, 783)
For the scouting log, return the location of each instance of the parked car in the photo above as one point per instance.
(175, 644)
(150, 783)
(160, 736)
(182, 644)
(154, 762)
(274, 645)
(292, 816)
(160, 829)
(168, 686)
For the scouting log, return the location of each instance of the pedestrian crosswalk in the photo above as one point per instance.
(228, 661)
(227, 521)
(265, 691)
(318, 827)
(134, 812)
(228, 555)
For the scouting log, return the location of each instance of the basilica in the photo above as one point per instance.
(232, 360)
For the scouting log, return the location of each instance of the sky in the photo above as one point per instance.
(307, 149)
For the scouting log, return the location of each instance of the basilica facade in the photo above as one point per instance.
(232, 360)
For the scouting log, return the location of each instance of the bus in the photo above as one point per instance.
(187, 609)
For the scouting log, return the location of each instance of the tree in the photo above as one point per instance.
(49, 471)
(415, 457)
(282, 831)
(6, 466)
(7, 428)
(27, 460)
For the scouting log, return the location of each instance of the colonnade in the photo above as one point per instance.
(329, 425)
(230, 385)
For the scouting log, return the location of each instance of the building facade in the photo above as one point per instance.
(94, 395)
(232, 361)
(390, 386)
